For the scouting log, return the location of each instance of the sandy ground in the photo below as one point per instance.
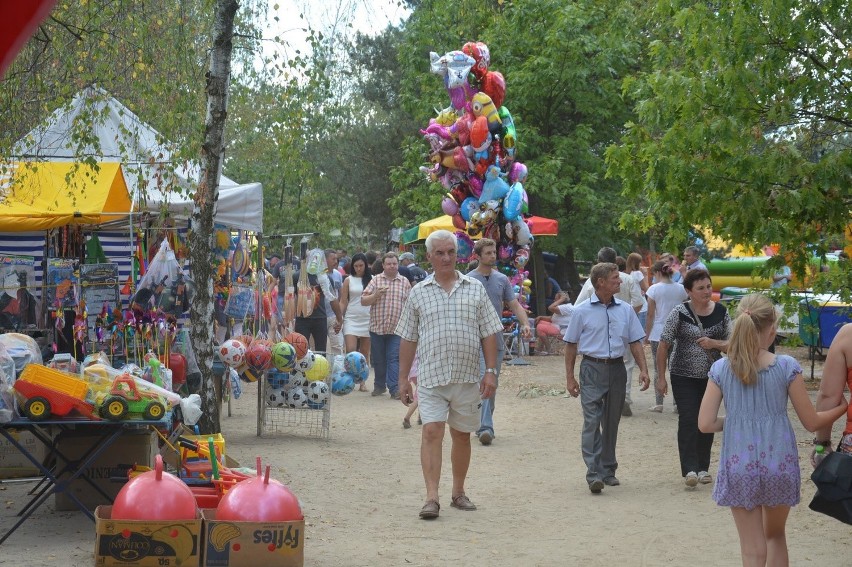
(362, 490)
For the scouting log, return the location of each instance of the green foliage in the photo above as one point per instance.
(742, 124)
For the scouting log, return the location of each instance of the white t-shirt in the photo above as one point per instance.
(562, 318)
(666, 297)
(639, 277)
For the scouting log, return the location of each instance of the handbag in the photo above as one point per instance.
(695, 318)
(833, 479)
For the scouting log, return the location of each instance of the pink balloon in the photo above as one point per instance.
(155, 495)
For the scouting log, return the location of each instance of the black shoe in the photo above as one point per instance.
(611, 481)
(486, 437)
(395, 396)
(626, 411)
(378, 392)
(596, 486)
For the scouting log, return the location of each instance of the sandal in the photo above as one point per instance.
(430, 510)
(406, 424)
(462, 502)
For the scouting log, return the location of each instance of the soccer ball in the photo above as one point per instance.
(298, 379)
(284, 356)
(318, 392)
(342, 384)
(259, 356)
(355, 364)
(232, 352)
(276, 398)
(306, 362)
(278, 380)
(296, 398)
(319, 370)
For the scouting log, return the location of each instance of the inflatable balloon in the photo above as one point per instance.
(481, 56)
(459, 222)
(155, 496)
(475, 184)
(482, 105)
(468, 207)
(526, 207)
(518, 173)
(480, 139)
(514, 202)
(522, 256)
(449, 206)
(522, 232)
(465, 246)
(510, 136)
(505, 252)
(494, 85)
(495, 187)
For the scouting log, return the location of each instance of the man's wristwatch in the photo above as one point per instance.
(826, 443)
(491, 371)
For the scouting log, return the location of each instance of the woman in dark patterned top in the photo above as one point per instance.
(698, 331)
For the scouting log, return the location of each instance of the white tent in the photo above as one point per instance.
(145, 157)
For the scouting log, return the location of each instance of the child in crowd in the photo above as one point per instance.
(759, 464)
(412, 377)
(553, 326)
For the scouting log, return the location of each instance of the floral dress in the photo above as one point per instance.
(759, 463)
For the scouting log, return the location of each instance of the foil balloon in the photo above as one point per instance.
(505, 252)
(453, 67)
(494, 85)
(513, 203)
(522, 256)
(453, 159)
(458, 193)
(459, 222)
(468, 207)
(481, 56)
(495, 187)
(492, 231)
(482, 105)
(522, 232)
(465, 246)
(480, 139)
(518, 173)
(449, 205)
(526, 207)
(510, 135)
(461, 128)
(475, 184)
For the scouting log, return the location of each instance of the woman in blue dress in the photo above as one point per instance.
(759, 465)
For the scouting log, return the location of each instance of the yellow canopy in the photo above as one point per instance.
(43, 195)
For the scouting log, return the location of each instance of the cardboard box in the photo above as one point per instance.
(171, 453)
(249, 544)
(13, 463)
(109, 471)
(138, 543)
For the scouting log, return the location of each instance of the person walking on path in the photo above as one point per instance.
(662, 297)
(629, 292)
(335, 336)
(836, 374)
(356, 317)
(385, 295)
(691, 260)
(697, 332)
(447, 320)
(599, 329)
(500, 291)
(759, 474)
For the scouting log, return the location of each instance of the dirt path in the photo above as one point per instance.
(362, 490)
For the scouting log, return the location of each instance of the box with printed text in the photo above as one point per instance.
(249, 544)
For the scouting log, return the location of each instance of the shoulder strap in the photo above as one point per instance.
(694, 315)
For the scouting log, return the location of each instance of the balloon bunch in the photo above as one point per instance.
(473, 145)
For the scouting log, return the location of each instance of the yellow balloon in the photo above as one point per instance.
(527, 283)
(320, 370)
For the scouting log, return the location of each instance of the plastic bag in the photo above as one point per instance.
(190, 407)
(316, 262)
(22, 349)
(164, 286)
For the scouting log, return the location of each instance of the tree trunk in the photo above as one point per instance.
(201, 235)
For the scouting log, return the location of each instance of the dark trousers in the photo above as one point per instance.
(693, 446)
(316, 328)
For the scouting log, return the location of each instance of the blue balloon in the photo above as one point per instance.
(467, 207)
(514, 202)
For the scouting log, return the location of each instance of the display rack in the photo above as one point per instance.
(309, 421)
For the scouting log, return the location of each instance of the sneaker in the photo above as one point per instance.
(611, 481)
(486, 437)
(377, 393)
(704, 477)
(596, 486)
(395, 396)
(657, 408)
(691, 479)
(626, 411)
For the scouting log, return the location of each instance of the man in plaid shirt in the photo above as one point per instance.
(447, 320)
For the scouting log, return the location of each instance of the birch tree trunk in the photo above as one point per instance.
(201, 236)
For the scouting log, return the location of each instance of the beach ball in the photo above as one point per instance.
(296, 398)
(155, 496)
(319, 370)
(259, 499)
(299, 342)
(355, 363)
(283, 356)
(232, 352)
(318, 392)
(259, 356)
(276, 398)
(306, 362)
(342, 384)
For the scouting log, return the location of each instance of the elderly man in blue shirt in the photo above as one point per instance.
(599, 329)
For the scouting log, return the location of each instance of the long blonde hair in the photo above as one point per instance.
(755, 314)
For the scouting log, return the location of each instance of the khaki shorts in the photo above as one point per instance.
(459, 405)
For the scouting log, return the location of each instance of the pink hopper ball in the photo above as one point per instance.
(154, 495)
(259, 499)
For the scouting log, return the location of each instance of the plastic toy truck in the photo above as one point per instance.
(44, 392)
(125, 398)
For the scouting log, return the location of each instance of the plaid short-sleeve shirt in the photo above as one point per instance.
(448, 328)
(384, 314)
